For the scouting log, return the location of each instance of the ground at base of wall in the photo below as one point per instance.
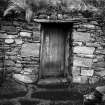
(14, 93)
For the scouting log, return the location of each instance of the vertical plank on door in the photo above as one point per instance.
(53, 51)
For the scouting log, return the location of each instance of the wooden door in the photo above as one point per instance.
(53, 50)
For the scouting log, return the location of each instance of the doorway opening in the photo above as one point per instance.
(56, 50)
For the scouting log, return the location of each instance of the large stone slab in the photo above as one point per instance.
(9, 41)
(85, 55)
(100, 73)
(79, 43)
(98, 68)
(82, 62)
(18, 41)
(81, 36)
(76, 71)
(93, 80)
(87, 72)
(100, 51)
(30, 49)
(100, 64)
(25, 78)
(84, 50)
(25, 34)
(9, 28)
(95, 44)
(80, 79)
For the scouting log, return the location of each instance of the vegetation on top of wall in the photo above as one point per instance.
(29, 9)
(99, 16)
(34, 7)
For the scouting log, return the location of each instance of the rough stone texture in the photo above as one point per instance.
(100, 73)
(81, 36)
(30, 49)
(25, 34)
(18, 38)
(87, 72)
(18, 41)
(80, 79)
(94, 79)
(100, 64)
(75, 71)
(82, 62)
(84, 50)
(100, 51)
(85, 55)
(76, 79)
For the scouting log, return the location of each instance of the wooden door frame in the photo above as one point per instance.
(68, 29)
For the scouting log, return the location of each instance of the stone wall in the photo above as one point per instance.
(89, 53)
(21, 46)
(21, 49)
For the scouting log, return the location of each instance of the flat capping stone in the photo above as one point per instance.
(57, 21)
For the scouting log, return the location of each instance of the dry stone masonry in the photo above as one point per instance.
(22, 51)
(20, 46)
(88, 54)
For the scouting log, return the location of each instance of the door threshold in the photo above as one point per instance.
(53, 83)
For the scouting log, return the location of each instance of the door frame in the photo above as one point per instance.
(68, 29)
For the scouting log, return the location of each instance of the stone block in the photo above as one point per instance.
(9, 28)
(25, 34)
(28, 26)
(11, 36)
(98, 68)
(29, 70)
(13, 69)
(100, 73)
(16, 23)
(100, 64)
(85, 55)
(81, 36)
(30, 49)
(9, 63)
(1, 69)
(9, 41)
(14, 58)
(25, 78)
(77, 43)
(84, 50)
(76, 79)
(60, 16)
(18, 41)
(82, 62)
(36, 35)
(76, 71)
(93, 80)
(100, 51)
(80, 79)
(3, 35)
(13, 52)
(87, 72)
(18, 65)
(89, 26)
(90, 44)
(99, 58)
(84, 79)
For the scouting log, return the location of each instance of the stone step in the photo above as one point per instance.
(60, 95)
(53, 83)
